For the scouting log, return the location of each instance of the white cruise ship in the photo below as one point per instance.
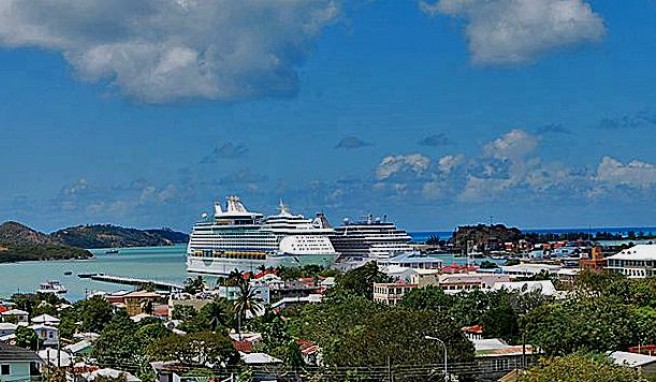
(369, 238)
(239, 239)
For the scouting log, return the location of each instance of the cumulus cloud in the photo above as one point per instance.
(514, 31)
(513, 145)
(158, 51)
(635, 174)
(226, 151)
(351, 142)
(435, 140)
(415, 164)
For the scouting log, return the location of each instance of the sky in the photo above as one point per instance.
(532, 113)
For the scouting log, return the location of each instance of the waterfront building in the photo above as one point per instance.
(636, 262)
(414, 260)
(392, 293)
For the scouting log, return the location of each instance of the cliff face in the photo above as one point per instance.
(109, 236)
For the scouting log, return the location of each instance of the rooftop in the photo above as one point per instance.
(631, 359)
(11, 353)
(637, 252)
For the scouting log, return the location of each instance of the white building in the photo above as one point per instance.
(635, 262)
(7, 329)
(544, 287)
(18, 364)
(48, 335)
(15, 314)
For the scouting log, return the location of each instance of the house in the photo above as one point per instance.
(134, 301)
(392, 293)
(253, 359)
(80, 350)
(7, 329)
(56, 358)
(109, 373)
(474, 332)
(311, 352)
(529, 269)
(414, 260)
(497, 357)
(48, 335)
(46, 319)
(636, 262)
(18, 364)
(15, 315)
(645, 363)
(544, 287)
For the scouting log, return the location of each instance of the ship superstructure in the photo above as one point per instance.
(236, 238)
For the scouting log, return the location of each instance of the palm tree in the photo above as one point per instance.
(247, 304)
(234, 278)
(147, 306)
(216, 314)
(262, 268)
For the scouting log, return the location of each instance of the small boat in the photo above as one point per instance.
(111, 252)
(68, 273)
(51, 286)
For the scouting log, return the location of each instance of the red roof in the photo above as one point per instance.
(474, 329)
(3, 309)
(457, 268)
(243, 346)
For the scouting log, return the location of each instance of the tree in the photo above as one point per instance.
(247, 305)
(579, 368)
(151, 332)
(27, 338)
(361, 280)
(194, 285)
(196, 349)
(95, 313)
(184, 312)
(118, 345)
(428, 298)
(395, 335)
(216, 314)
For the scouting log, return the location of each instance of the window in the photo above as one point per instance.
(4, 370)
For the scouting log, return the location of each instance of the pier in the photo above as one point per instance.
(161, 285)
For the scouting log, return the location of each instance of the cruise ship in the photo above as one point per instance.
(369, 238)
(236, 238)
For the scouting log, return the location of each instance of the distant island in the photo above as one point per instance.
(19, 242)
(110, 236)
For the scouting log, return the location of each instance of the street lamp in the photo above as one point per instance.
(446, 370)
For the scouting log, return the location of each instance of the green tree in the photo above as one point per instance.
(184, 312)
(194, 285)
(360, 281)
(428, 298)
(95, 313)
(395, 335)
(578, 368)
(118, 346)
(27, 338)
(216, 314)
(247, 305)
(196, 349)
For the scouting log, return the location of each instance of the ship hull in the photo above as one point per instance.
(223, 266)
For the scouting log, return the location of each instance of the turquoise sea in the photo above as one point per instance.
(153, 263)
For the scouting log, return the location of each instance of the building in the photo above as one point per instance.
(645, 363)
(45, 319)
(544, 287)
(496, 357)
(414, 260)
(48, 335)
(635, 262)
(392, 293)
(135, 302)
(18, 364)
(465, 282)
(529, 269)
(15, 315)
(7, 329)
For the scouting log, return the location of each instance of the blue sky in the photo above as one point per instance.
(538, 113)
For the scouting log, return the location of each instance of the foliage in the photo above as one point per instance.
(95, 313)
(39, 252)
(194, 285)
(196, 349)
(216, 314)
(37, 303)
(184, 312)
(247, 304)
(396, 335)
(578, 368)
(309, 270)
(118, 344)
(428, 298)
(27, 338)
(110, 236)
(360, 280)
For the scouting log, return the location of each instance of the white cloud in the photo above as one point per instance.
(513, 145)
(415, 164)
(512, 31)
(448, 163)
(158, 51)
(634, 174)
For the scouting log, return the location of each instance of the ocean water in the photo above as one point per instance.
(154, 263)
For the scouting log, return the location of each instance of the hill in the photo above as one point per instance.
(110, 236)
(21, 243)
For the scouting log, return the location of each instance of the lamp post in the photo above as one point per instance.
(446, 370)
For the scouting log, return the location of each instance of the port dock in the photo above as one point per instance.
(161, 285)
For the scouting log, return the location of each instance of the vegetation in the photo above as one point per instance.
(581, 368)
(360, 281)
(21, 243)
(110, 236)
